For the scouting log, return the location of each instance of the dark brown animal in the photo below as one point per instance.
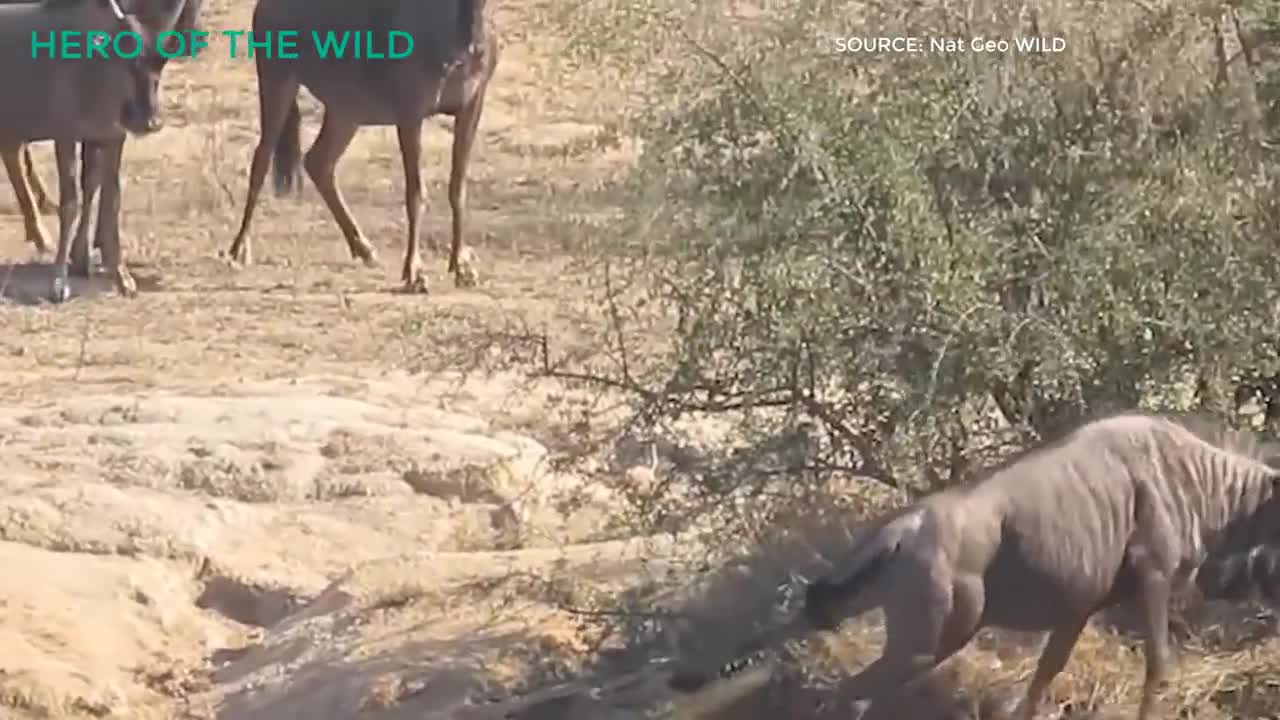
(1125, 509)
(453, 59)
(32, 197)
(99, 100)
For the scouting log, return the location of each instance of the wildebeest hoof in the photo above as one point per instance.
(465, 273)
(237, 254)
(365, 254)
(416, 284)
(125, 284)
(60, 291)
(466, 278)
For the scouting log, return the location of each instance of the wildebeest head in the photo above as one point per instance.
(151, 23)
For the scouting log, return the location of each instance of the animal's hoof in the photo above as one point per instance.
(238, 254)
(466, 278)
(60, 291)
(366, 255)
(416, 284)
(125, 284)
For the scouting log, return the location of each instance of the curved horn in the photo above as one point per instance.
(115, 9)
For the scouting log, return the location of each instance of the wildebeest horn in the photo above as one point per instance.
(115, 9)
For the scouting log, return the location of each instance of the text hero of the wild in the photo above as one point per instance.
(283, 44)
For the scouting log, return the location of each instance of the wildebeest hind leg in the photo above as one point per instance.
(1057, 650)
(68, 211)
(410, 135)
(320, 162)
(26, 203)
(44, 203)
(464, 136)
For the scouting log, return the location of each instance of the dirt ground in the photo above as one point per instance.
(282, 491)
(273, 492)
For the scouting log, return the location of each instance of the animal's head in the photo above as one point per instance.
(151, 22)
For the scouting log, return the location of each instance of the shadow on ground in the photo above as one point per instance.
(31, 283)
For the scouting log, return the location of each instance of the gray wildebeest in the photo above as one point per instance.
(454, 56)
(1125, 509)
(68, 100)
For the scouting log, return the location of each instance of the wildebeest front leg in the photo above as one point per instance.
(43, 202)
(26, 203)
(321, 162)
(410, 135)
(1057, 650)
(68, 210)
(926, 623)
(108, 230)
(275, 96)
(90, 182)
(1154, 589)
(464, 136)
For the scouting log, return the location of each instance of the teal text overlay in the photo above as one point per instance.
(281, 44)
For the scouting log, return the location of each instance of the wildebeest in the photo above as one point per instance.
(101, 150)
(453, 58)
(1126, 509)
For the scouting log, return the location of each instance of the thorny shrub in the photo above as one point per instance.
(898, 266)
(887, 270)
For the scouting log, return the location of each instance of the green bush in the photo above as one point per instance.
(927, 258)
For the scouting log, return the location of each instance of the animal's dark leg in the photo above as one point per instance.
(410, 135)
(1057, 650)
(464, 135)
(43, 201)
(26, 204)
(320, 162)
(108, 230)
(68, 210)
(90, 182)
(275, 97)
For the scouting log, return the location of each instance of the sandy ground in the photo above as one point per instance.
(273, 492)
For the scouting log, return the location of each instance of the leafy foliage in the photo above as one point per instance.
(897, 265)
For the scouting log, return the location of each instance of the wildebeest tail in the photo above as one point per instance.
(288, 153)
(1238, 576)
(827, 595)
